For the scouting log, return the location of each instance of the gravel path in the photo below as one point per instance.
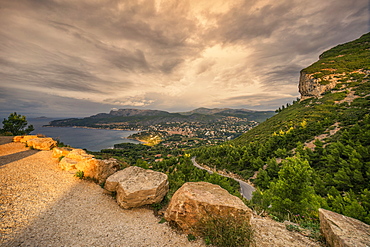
(41, 205)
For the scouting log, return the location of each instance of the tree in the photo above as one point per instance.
(293, 191)
(16, 124)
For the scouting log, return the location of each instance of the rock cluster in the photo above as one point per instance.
(195, 200)
(79, 160)
(23, 139)
(36, 142)
(343, 231)
(42, 143)
(136, 186)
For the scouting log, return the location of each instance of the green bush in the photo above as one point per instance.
(225, 231)
(80, 174)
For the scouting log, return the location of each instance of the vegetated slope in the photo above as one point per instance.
(258, 116)
(323, 142)
(133, 117)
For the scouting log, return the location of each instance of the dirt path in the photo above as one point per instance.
(41, 205)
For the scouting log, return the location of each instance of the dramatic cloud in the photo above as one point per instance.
(78, 58)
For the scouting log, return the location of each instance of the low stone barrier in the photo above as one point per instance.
(35, 142)
(79, 160)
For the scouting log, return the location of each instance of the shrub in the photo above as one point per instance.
(80, 174)
(225, 231)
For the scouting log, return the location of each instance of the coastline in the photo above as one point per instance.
(92, 139)
(85, 127)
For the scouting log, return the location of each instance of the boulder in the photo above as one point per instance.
(79, 155)
(104, 169)
(24, 139)
(195, 200)
(61, 151)
(343, 231)
(136, 186)
(79, 160)
(67, 164)
(42, 143)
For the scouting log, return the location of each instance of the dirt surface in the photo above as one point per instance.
(5, 139)
(41, 205)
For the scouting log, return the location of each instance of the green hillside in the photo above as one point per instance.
(313, 153)
(138, 119)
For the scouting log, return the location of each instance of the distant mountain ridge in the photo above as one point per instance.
(207, 111)
(150, 117)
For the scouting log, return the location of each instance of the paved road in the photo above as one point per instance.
(246, 189)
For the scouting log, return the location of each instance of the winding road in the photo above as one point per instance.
(246, 189)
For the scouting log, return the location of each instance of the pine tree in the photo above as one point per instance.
(16, 124)
(293, 191)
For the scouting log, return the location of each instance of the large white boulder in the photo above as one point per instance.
(196, 200)
(136, 186)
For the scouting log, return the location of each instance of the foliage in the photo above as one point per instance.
(225, 231)
(163, 220)
(80, 174)
(293, 228)
(293, 191)
(16, 124)
(191, 237)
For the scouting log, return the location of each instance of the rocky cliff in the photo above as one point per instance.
(336, 68)
(309, 86)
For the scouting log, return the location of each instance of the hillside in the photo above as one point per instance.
(258, 116)
(315, 152)
(131, 118)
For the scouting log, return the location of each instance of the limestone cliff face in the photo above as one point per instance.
(309, 86)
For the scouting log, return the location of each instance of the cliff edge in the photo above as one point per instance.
(336, 68)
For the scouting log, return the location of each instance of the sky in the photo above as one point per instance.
(76, 58)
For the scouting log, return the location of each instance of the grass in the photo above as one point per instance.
(225, 231)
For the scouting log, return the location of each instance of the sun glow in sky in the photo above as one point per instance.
(78, 58)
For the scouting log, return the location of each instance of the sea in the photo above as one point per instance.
(90, 139)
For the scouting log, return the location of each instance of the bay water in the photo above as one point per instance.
(90, 139)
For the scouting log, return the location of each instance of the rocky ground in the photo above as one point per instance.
(41, 205)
